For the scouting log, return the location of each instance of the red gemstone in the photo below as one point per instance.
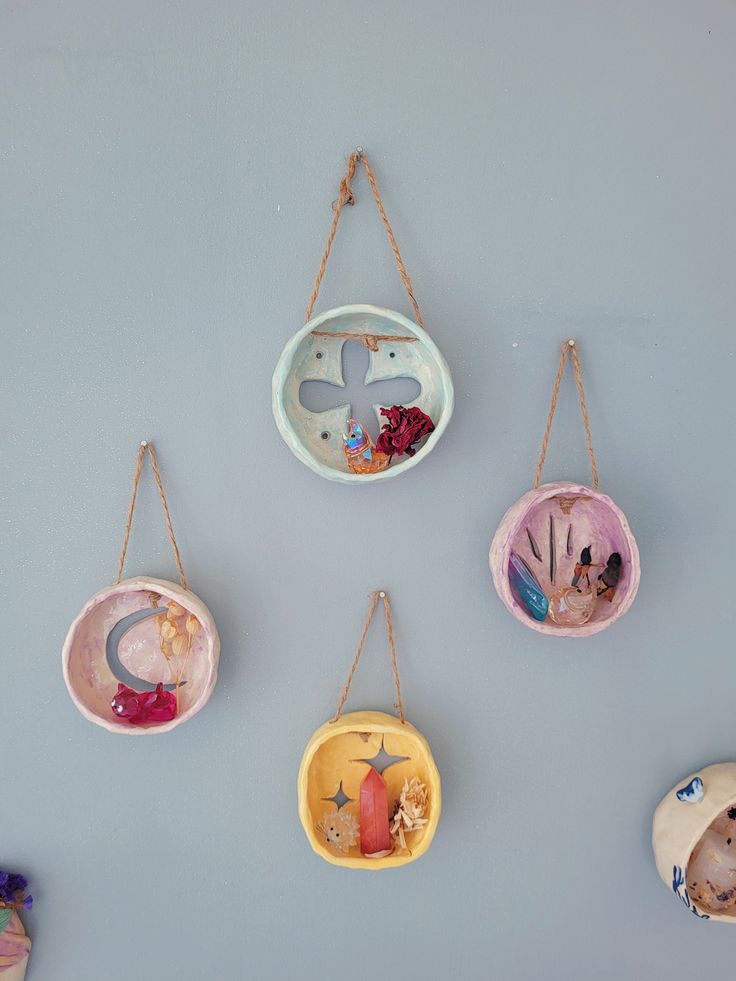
(375, 835)
(142, 707)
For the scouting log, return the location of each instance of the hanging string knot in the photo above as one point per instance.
(346, 197)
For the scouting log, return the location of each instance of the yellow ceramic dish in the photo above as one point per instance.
(332, 755)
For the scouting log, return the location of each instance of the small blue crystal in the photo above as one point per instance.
(525, 587)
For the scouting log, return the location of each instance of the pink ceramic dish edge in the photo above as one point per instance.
(15, 948)
(498, 559)
(187, 599)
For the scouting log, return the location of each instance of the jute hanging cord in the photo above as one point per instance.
(567, 348)
(147, 446)
(375, 599)
(344, 197)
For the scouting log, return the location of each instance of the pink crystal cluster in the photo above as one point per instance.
(144, 707)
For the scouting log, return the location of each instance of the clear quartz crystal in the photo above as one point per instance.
(571, 607)
(711, 871)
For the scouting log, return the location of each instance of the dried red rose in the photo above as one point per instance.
(404, 428)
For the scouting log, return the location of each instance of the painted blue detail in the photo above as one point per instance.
(693, 793)
(679, 888)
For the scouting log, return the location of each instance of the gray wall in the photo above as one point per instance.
(550, 170)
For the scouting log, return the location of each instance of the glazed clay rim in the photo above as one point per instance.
(383, 723)
(174, 591)
(284, 368)
(513, 519)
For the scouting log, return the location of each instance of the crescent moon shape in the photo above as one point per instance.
(111, 650)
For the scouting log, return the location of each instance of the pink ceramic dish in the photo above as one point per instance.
(89, 677)
(548, 527)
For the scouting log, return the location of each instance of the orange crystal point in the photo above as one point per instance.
(375, 835)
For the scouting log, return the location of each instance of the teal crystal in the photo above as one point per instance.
(526, 589)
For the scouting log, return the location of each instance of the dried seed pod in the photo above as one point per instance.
(168, 630)
(174, 609)
(180, 645)
(192, 625)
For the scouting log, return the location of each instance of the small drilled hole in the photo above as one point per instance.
(318, 355)
(392, 354)
(325, 435)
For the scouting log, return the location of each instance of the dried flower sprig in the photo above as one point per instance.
(13, 896)
(410, 810)
(177, 629)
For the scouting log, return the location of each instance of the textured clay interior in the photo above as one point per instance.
(711, 868)
(551, 536)
(91, 678)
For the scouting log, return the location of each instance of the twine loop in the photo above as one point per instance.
(567, 348)
(376, 597)
(146, 446)
(346, 196)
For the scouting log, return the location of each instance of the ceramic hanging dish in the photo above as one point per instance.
(390, 437)
(694, 842)
(15, 945)
(141, 658)
(369, 790)
(564, 560)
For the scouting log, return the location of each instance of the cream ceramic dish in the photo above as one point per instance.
(87, 671)
(682, 819)
(333, 758)
(316, 437)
